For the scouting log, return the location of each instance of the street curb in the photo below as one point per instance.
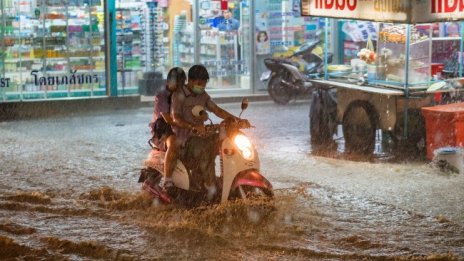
(52, 108)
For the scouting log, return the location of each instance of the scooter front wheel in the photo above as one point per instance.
(279, 92)
(259, 204)
(249, 192)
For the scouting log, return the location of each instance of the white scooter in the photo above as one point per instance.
(240, 175)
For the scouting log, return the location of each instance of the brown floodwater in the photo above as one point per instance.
(68, 191)
(307, 222)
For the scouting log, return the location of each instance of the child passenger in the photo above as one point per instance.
(163, 136)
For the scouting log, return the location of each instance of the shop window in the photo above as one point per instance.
(378, 50)
(181, 34)
(152, 37)
(224, 43)
(138, 32)
(52, 49)
(280, 31)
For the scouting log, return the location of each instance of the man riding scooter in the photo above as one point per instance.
(199, 152)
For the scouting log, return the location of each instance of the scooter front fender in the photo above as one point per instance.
(250, 177)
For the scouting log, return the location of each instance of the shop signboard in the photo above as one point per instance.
(374, 10)
(400, 11)
(427, 11)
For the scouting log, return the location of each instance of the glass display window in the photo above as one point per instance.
(392, 54)
(181, 32)
(280, 31)
(143, 40)
(224, 43)
(52, 49)
(377, 52)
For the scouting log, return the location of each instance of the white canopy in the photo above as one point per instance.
(399, 11)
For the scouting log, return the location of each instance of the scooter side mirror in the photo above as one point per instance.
(244, 106)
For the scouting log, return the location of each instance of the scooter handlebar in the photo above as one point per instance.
(229, 124)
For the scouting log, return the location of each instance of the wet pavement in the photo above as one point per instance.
(69, 191)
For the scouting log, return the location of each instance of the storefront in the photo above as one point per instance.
(230, 37)
(61, 49)
(395, 59)
(51, 49)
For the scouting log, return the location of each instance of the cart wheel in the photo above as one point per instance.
(414, 144)
(322, 118)
(359, 126)
(279, 92)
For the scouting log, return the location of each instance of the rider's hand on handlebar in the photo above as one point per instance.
(244, 123)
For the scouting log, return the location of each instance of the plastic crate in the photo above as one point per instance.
(444, 125)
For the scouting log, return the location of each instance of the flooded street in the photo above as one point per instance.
(69, 191)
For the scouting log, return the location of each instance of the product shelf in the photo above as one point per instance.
(47, 39)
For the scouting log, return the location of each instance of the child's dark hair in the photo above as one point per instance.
(198, 72)
(177, 74)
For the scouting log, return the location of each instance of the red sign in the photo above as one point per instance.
(337, 4)
(402, 11)
(447, 6)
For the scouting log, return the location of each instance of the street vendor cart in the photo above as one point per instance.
(392, 78)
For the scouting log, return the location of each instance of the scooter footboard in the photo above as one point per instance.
(146, 173)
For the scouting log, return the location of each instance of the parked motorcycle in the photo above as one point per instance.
(240, 175)
(289, 77)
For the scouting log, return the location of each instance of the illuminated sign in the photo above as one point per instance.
(402, 11)
(336, 4)
(447, 6)
(375, 10)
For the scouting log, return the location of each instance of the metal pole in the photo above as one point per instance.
(196, 31)
(3, 53)
(252, 62)
(326, 48)
(406, 83)
(460, 60)
(111, 63)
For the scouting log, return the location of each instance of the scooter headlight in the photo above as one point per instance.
(244, 145)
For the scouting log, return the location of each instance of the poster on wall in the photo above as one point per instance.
(263, 45)
(261, 18)
(262, 34)
(360, 31)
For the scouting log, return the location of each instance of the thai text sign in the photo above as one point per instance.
(426, 11)
(402, 11)
(375, 10)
